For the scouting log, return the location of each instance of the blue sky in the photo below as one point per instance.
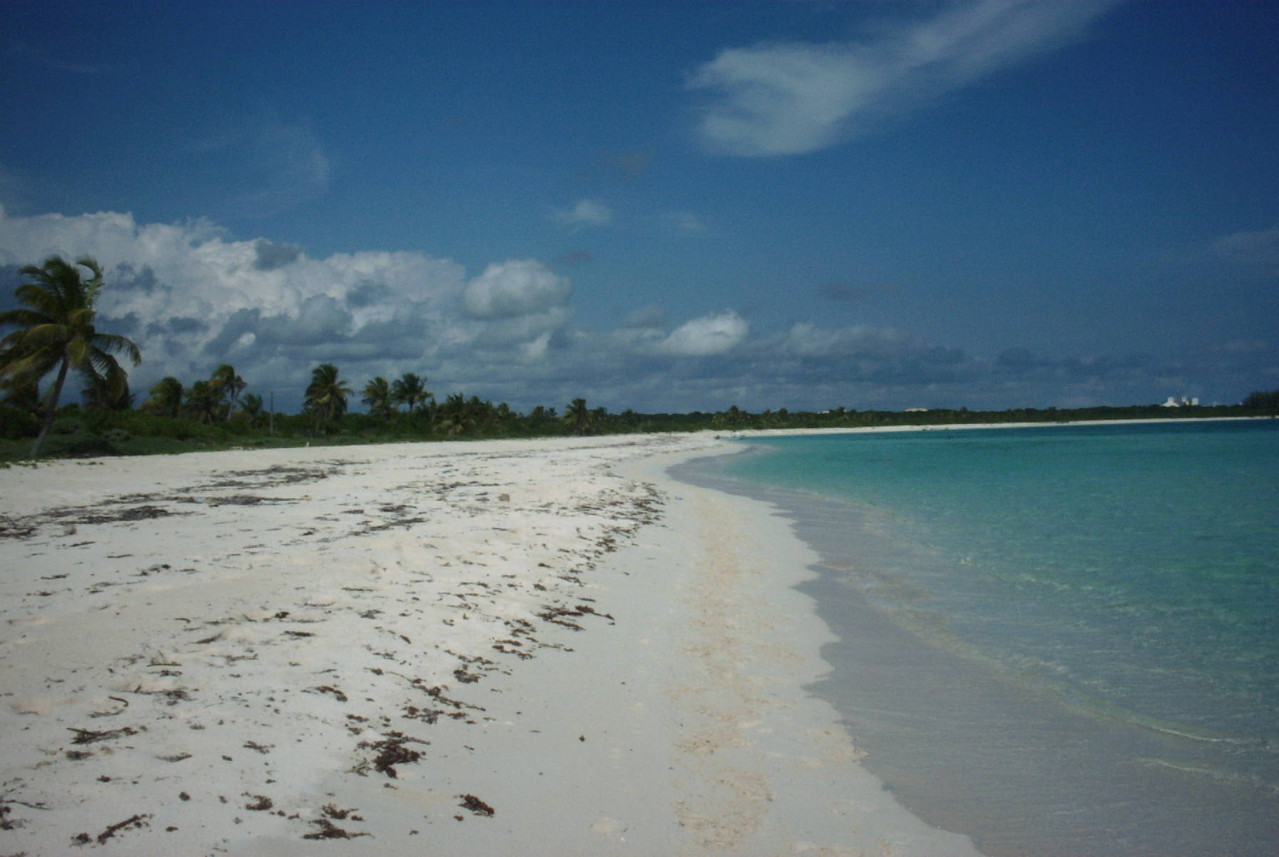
(665, 206)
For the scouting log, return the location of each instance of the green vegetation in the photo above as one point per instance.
(85, 430)
(1263, 402)
(326, 396)
(55, 332)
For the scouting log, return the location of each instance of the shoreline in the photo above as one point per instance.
(746, 434)
(971, 746)
(480, 647)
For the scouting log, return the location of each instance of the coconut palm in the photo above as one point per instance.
(578, 416)
(228, 385)
(326, 394)
(378, 397)
(204, 401)
(455, 416)
(103, 395)
(19, 405)
(56, 332)
(409, 390)
(252, 407)
(166, 397)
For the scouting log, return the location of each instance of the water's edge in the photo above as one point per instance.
(1015, 768)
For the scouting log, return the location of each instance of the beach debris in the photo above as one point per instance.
(476, 806)
(500, 576)
(329, 830)
(137, 513)
(137, 821)
(391, 752)
(339, 695)
(556, 613)
(89, 736)
(6, 807)
(11, 529)
(511, 647)
(242, 500)
(332, 811)
(431, 715)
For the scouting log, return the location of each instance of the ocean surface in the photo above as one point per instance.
(1059, 640)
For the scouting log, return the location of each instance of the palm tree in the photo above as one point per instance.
(102, 395)
(166, 397)
(21, 398)
(378, 396)
(409, 390)
(56, 331)
(228, 385)
(252, 406)
(482, 413)
(455, 416)
(326, 394)
(204, 401)
(578, 416)
(732, 418)
(22, 393)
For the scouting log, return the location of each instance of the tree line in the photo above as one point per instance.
(55, 334)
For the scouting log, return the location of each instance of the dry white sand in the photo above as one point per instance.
(499, 648)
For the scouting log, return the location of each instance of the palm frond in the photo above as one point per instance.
(116, 344)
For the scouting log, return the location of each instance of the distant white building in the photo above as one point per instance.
(1181, 402)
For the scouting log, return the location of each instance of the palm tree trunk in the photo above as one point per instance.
(54, 394)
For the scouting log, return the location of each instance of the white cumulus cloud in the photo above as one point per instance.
(515, 288)
(192, 297)
(706, 336)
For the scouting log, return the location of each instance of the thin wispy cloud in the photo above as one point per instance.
(585, 213)
(1255, 249)
(289, 166)
(265, 166)
(651, 316)
(793, 98)
(685, 224)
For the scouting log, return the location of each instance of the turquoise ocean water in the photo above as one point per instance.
(1059, 640)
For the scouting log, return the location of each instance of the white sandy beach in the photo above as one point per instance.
(496, 648)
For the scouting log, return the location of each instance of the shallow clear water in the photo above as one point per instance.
(1058, 640)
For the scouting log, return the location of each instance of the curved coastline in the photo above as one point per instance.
(966, 748)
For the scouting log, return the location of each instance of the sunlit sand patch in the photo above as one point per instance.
(32, 705)
(334, 667)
